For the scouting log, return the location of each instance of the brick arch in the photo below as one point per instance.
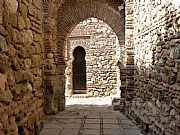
(69, 18)
(60, 18)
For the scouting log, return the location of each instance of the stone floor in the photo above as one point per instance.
(91, 116)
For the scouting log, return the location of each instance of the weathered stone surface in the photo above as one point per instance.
(5, 94)
(3, 44)
(178, 77)
(3, 82)
(3, 31)
(10, 35)
(22, 52)
(21, 22)
(11, 78)
(23, 10)
(19, 91)
(31, 122)
(11, 51)
(3, 67)
(22, 76)
(11, 5)
(36, 61)
(37, 3)
(32, 11)
(50, 55)
(16, 64)
(18, 37)
(24, 37)
(13, 125)
(175, 52)
(27, 63)
(28, 37)
(13, 19)
(1, 13)
(4, 117)
(152, 108)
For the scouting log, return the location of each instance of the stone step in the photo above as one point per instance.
(79, 96)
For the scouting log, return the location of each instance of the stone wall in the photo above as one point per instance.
(102, 53)
(156, 103)
(21, 94)
(60, 18)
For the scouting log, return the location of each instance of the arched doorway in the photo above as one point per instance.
(79, 71)
(67, 16)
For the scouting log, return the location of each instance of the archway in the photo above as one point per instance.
(111, 12)
(102, 54)
(79, 71)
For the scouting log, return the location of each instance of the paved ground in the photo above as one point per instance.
(92, 116)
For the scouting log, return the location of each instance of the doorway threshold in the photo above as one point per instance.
(79, 96)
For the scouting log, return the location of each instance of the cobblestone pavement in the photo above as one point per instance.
(89, 117)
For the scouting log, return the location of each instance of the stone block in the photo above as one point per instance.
(27, 63)
(37, 4)
(175, 52)
(6, 20)
(28, 23)
(3, 31)
(31, 122)
(32, 11)
(178, 78)
(30, 50)
(3, 81)
(8, 39)
(23, 10)
(21, 22)
(38, 48)
(18, 76)
(22, 52)
(1, 14)
(16, 64)
(13, 125)
(3, 44)
(35, 61)
(18, 37)
(90, 94)
(39, 15)
(18, 92)
(13, 19)
(11, 51)
(11, 5)
(50, 55)
(38, 82)
(28, 37)
(25, 76)
(37, 37)
(3, 67)
(6, 97)
(176, 102)
(4, 117)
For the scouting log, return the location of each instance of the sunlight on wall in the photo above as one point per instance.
(177, 3)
